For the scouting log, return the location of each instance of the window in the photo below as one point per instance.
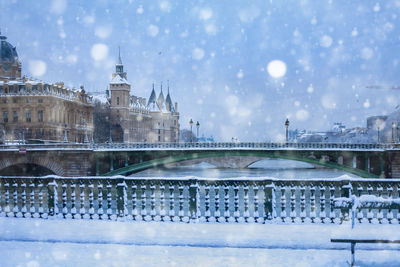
(40, 100)
(40, 116)
(5, 116)
(15, 116)
(117, 100)
(28, 100)
(15, 100)
(28, 116)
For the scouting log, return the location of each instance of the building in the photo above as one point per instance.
(134, 120)
(32, 109)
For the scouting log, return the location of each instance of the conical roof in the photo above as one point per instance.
(152, 100)
(168, 102)
(160, 100)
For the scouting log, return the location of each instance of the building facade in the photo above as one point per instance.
(134, 120)
(32, 109)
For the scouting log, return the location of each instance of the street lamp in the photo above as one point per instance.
(191, 133)
(393, 126)
(198, 126)
(287, 127)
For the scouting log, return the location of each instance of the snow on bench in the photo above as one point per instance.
(365, 202)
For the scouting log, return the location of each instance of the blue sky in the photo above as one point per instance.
(215, 55)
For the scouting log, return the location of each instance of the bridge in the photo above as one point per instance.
(73, 159)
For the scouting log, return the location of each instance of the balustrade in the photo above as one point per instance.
(185, 200)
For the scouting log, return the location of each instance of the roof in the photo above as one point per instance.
(118, 80)
(7, 51)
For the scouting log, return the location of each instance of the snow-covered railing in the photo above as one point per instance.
(206, 146)
(194, 199)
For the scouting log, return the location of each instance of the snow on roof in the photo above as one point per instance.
(118, 80)
(102, 98)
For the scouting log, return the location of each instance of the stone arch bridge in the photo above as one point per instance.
(66, 159)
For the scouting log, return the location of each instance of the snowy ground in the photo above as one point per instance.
(34, 242)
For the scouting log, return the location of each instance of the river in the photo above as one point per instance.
(277, 168)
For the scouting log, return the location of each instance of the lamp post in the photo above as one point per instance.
(393, 126)
(191, 133)
(287, 128)
(197, 126)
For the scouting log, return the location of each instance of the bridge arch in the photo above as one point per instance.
(43, 162)
(256, 155)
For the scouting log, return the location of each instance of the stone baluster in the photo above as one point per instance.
(302, 202)
(257, 217)
(236, 212)
(360, 214)
(217, 211)
(91, 199)
(109, 200)
(162, 201)
(181, 200)
(283, 203)
(40, 194)
(389, 214)
(226, 202)
(370, 214)
(332, 214)
(322, 201)
(293, 202)
(52, 197)
(7, 208)
(15, 209)
(270, 204)
(345, 192)
(73, 199)
(246, 200)
(23, 199)
(143, 211)
(32, 204)
(171, 200)
(134, 201)
(152, 200)
(313, 214)
(121, 199)
(194, 201)
(380, 212)
(100, 189)
(207, 211)
(82, 210)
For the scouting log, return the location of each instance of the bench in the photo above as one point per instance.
(355, 204)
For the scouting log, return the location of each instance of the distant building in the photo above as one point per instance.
(32, 109)
(374, 122)
(134, 120)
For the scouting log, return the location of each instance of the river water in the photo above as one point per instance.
(277, 168)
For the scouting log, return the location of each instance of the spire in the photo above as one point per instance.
(161, 88)
(119, 56)
(168, 86)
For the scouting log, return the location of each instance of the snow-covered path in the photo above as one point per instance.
(35, 242)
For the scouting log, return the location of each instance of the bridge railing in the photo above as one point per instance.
(200, 146)
(193, 199)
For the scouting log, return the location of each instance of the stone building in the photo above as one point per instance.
(134, 120)
(31, 109)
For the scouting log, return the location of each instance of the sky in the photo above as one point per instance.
(239, 68)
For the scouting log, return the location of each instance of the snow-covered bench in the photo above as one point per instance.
(356, 204)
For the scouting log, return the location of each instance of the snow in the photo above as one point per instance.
(38, 242)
